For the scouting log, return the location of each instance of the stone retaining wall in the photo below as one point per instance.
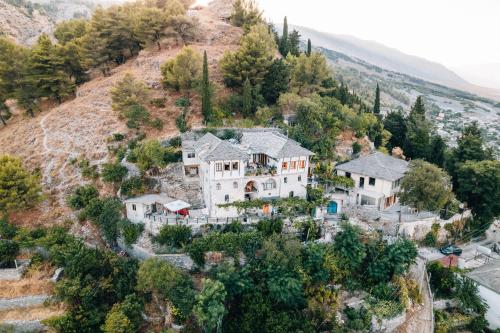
(22, 302)
(23, 326)
(15, 273)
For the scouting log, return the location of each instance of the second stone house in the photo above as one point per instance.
(257, 163)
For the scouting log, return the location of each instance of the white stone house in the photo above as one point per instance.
(155, 208)
(376, 179)
(262, 163)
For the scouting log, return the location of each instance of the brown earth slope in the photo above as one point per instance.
(80, 127)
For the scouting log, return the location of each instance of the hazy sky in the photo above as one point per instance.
(452, 32)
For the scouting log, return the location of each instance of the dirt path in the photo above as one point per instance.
(420, 319)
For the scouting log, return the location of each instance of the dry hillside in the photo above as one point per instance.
(80, 127)
(22, 26)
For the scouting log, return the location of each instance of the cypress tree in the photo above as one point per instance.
(247, 98)
(283, 47)
(309, 47)
(206, 94)
(376, 106)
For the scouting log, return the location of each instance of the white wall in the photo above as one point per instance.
(136, 216)
(493, 300)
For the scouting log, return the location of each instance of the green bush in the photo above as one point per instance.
(356, 148)
(82, 196)
(429, 239)
(269, 227)
(118, 136)
(88, 171)
(357, 320)
(182, 102)
(157, 123)
(158, 102)
(176, 236)
(131, 232)
(175, 142)
(132, 187)
(7, 230)
(113, 172)
(8, 250)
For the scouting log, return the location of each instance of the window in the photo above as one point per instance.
(285, 180)
(348, 174)
(290, 194)
(218, 186)
(218, 166)
(226, 198)
(299, 178)
(191, 155)
(396, 183)
(285, 166)
(235, 185)
(302, 164)
(235, 165)
(294, 165)
(371, 181)
(269, 184)
(134, 207)
(227, 166)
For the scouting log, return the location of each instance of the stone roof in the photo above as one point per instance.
(253, 141)
(376, 165)
(488, 275)
(211, 148)
(150, 199)
(273, 144)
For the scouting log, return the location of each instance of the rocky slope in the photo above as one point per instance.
(81, 127)
(22, 25)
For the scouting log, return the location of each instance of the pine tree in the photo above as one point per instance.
(284, 42)
(309, 47)
(419, 130)
(247, 98)
(376, 106)
(276, 81)
(418, 107)
(150, 26)
(45, 72)
(206, 93)
(294, 43)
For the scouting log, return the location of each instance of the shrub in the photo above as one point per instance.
(132, 187)
(174, 235)
(82, 196)
(429, 239)
(175, 142)
(113, 173)
(269, 227)
(357, 320)
(88, 171)
(7, 230)
(131, 232)
(8, 250)
(356, 148)
(181, 123)
(118, 136)
(157, 123)
(182, 102)
(158, 102)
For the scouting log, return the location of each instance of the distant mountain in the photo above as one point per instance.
(393, 60)
(487, 75)
(449, 109)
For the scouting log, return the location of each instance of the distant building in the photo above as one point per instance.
(376, 179)
(259, 163)
(155, 208)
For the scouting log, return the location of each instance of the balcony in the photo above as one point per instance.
(253, 169)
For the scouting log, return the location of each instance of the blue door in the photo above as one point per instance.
(332, 208)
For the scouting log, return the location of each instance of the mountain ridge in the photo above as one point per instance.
(394, 60)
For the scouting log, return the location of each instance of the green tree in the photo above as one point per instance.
(12, 61)
(309, 47)
(252, 60)
(151, 25)
(82, 196)
(248, 104)
(209, 308)
(284, 44)
(128, 96)
(308, 73)
(73, 63)
(45, 71)
(113, 172)
(294, 43)
(467, 293)
(437, 151)
(395, 123)
(19, 188)
(206, 92)
(117, 322)
(276, 81)
(174, 235)
(184, 71)
(425, 187)
(419, 130)
(70, 30)
(245, 14)
(349, 247)
(376, 104)
(479, 187)
(150, 154)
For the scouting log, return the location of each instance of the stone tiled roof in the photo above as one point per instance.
(376, 165)
(253, 141)
(273, 144)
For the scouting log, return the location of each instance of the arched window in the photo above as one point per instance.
(226, 198)
(218, 186)
(270, 184)
(235, 184)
